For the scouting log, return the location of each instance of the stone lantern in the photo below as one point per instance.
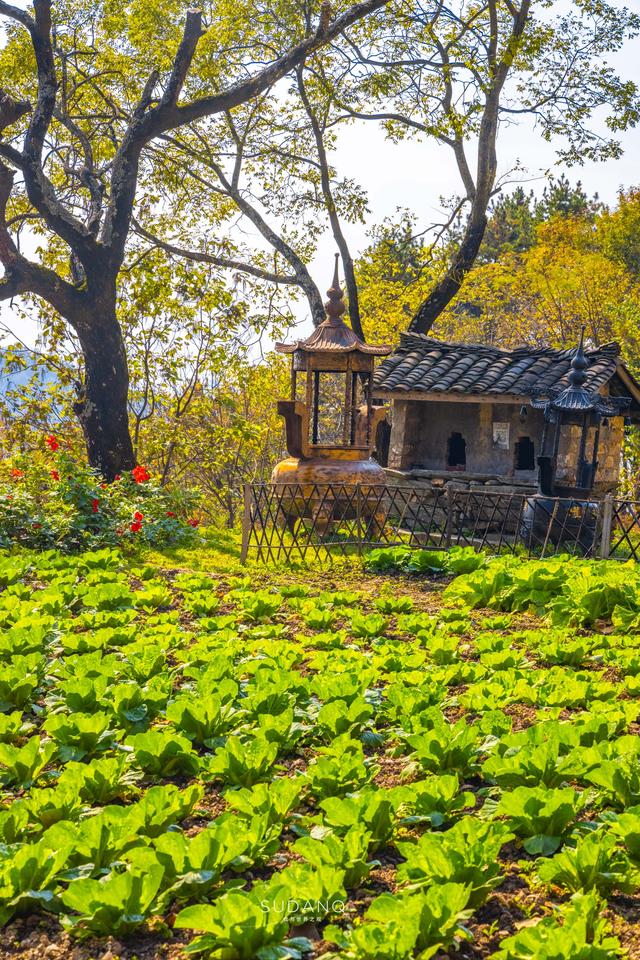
(563, 509)
(578, 411)
(330, 420)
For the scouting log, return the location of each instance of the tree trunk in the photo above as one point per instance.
(102, 406)
(447, 288)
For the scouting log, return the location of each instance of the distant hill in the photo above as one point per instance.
(22, 376)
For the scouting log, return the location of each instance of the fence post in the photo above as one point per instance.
(450, 497)
(246, 523)
(607, 522)
(552, 520)
(359, 518)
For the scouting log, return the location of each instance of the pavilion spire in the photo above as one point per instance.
(335, 305)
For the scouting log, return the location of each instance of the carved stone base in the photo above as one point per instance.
(322, 471)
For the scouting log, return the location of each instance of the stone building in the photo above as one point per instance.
(464, 411)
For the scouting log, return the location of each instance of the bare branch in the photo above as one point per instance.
(40, 31)
(244, 90)
(39, 189)
(182, 62)
(15, 13)
(227, 263)
(86, 174)
(167, 115)
(23, 276)
(9, 254)
(124, 180)
(303, 277)
(334, 219)
(448, 286)
(11, 110)
(13, 156)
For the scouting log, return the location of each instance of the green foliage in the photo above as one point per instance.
(466, 854)
(99, 781)
(446, 747)
(20, 766)
(202, 719)
(116, 904)
(50, 805)
(19, 682)
(347, 853)
(367, 628)
(583, 934)
(135, 706)
(244, 926)
(161, 753)
(260, 606)
(389, 605)
(338, 717)
(541, 816)
(626, 826)
(619, 780)
(593, 864)
(526, 766)
(434, 801)
(575, 592)
(50, 499)
(404, 560)
(339, 769)
(274, 800)
(374, 809)
(242, 763)
(27, 878)
(193, 866)
(80, 735)
(160, 808)
(373, 763)
(403, 926)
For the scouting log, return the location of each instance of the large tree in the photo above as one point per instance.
(444, 75)
(71, 161)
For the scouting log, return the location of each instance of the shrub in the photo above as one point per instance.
(49, 499)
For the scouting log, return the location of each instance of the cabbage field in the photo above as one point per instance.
(431, 756)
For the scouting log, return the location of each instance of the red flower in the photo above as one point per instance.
(54, 475)
(94, 505)
(140, 474)
(138, 516)
(103, 486)
(117, 477)
(193, 522)
(17, 473)
(135, 527)
(36, 526)
(51, 442)
(170, 513)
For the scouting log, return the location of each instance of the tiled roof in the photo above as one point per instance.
(430, 366)
(333, 336)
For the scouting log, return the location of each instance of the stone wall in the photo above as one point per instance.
(421, 428)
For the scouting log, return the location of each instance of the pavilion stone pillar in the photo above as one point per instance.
(400, 446)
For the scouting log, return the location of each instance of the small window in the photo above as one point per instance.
(525, 459)
(456, 452)
(383, 439)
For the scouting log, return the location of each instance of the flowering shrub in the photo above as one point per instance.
(48, 499)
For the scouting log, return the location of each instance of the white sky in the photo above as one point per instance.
(416, 175)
